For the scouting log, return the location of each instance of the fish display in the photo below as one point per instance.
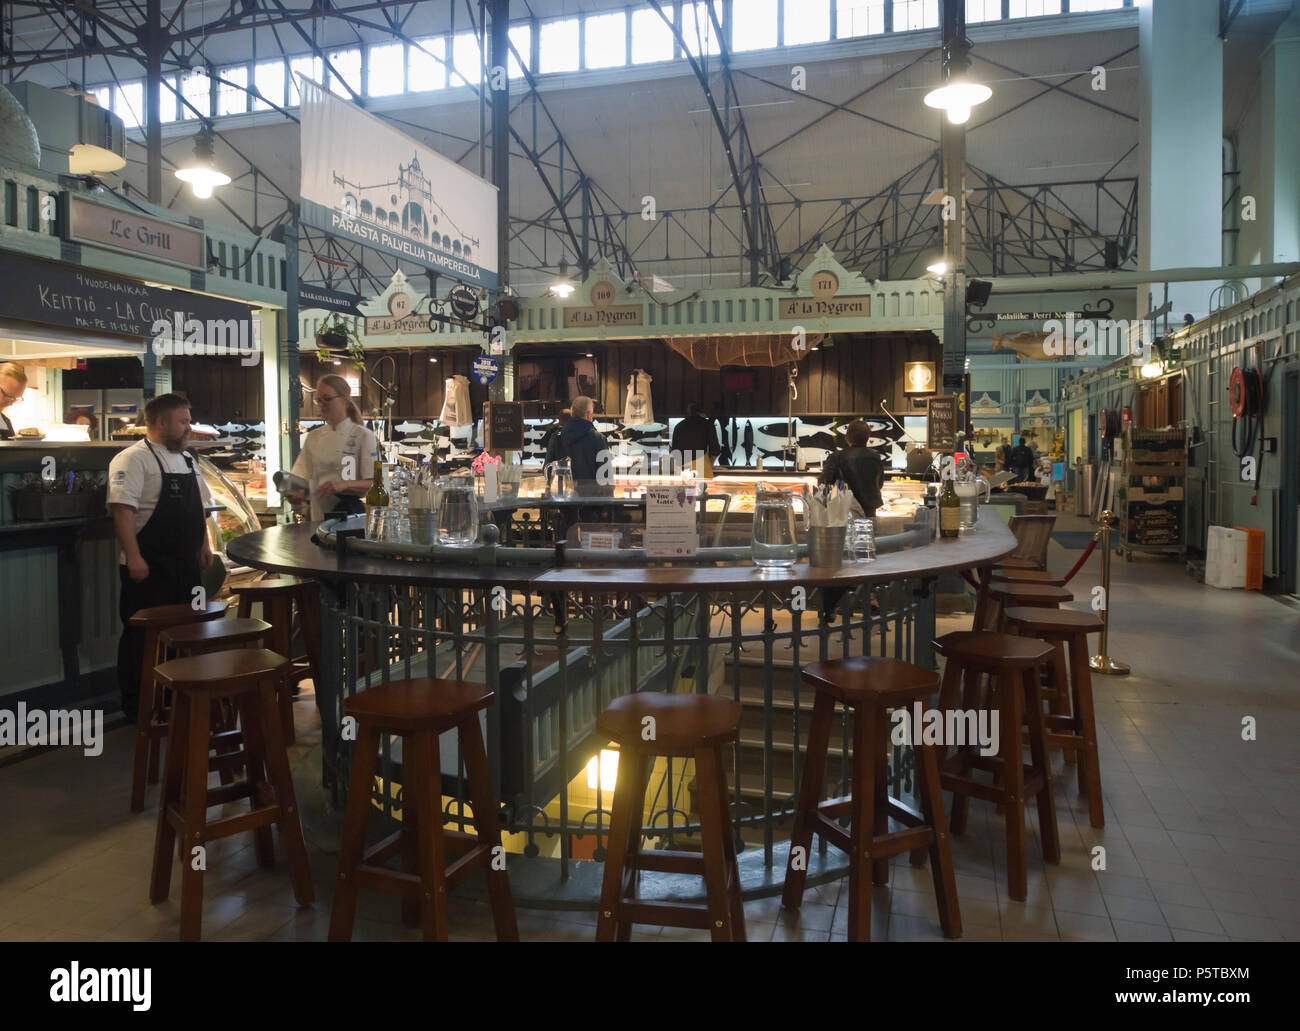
(1026, 344)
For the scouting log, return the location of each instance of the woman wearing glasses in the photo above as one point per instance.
(13, 381)
(338, 459)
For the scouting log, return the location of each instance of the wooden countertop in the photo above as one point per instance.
(290, 550)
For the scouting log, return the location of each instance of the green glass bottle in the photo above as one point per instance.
(949, 510)
(377, 502)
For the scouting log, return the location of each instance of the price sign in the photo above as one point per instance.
(941, 423)
(670, 522)
(504, 425)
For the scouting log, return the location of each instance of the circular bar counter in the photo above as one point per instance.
(558, 632)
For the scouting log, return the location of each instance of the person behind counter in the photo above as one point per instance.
(157, 499)
(13, 381)
(695, 441)
(338, 458)
(858, 467)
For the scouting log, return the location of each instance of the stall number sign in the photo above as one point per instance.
(670, 522)
(941, 423)
(485, 370)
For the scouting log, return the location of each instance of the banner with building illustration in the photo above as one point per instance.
(364, 181)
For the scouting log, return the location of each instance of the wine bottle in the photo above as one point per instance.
(949, 510)
(377, 502)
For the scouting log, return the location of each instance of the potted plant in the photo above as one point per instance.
(339, 335)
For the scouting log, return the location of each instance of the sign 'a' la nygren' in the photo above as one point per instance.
(366, 182)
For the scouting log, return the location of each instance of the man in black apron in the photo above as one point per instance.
(172, 543)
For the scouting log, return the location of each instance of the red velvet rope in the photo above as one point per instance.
(1092, 544)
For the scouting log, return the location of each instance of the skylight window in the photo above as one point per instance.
(426, 71)
(558, 50)
(808, 21)
(385, 76)
(753, 25)
(606, 40)
(652, 39)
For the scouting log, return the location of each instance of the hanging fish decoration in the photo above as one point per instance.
(822, 439)
(748, 443)
(724, 456)
(779, 429)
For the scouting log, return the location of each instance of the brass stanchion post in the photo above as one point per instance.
(1102, 662)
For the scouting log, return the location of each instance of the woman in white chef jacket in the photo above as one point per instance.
(337, 458)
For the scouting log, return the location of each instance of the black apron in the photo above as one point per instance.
(169, 542)
(6, 427)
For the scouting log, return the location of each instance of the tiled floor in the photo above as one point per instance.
(1202, 835)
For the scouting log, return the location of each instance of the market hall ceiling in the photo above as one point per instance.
(848, 160)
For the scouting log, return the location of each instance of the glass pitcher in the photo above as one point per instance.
(457, 511)
(968, 493)
(559, 479)
(776, 542)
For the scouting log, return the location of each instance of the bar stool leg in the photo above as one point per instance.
(862, 823)
(487, 825)
(1047, 829)
(426, 777)
(352, 843)
(195, 808)
(715, 864)
(880, 806)
(960, 801)
(1062, 681)
(626, 803)
(729, 853)
(255, 770)
(1013, 773)
(165, 842)
(814, 769)
(410, 854)
(143, 741)
(277, 768)
(941, 869)
(1090, 766)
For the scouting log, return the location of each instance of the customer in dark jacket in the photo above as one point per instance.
(860, 469)
(582, 445)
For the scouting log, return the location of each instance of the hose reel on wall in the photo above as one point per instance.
(1246, 397)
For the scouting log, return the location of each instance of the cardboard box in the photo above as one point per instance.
(1225, 558)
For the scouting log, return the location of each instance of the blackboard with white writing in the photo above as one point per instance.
(941, 423)
(503, 423)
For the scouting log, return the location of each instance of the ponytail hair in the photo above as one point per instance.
(340, 386)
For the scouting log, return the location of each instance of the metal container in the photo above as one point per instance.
(424, 526)
(826, 546)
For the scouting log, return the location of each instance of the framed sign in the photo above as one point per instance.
(918, 378)
(941, 423)
(103, 226)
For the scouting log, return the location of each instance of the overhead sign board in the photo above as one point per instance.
(131, 231)
(310, 296)
(364, 181)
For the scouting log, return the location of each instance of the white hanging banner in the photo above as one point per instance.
(364, 181)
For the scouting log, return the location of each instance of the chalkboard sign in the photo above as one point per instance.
(941, 423)
(503, 423)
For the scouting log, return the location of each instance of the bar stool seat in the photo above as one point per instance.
(420, 711)
(649, 724)
(1013, 666)
(1004, 595)
(870, 686)
(1077, 727)
(151, 714)
(247, 676)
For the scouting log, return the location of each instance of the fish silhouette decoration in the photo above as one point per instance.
(747, 442)
(1026, 344)
(825, 441)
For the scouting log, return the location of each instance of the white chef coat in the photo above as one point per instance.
(455, 405)
(134, 479)
(321, 459)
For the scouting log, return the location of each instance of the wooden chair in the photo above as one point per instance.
(248, 677)
(684, 726)
(420, 711)
(152, 715)
(870, 686)
(278, 598)
(1032, 533)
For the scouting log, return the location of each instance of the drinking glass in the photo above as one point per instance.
(862, 540)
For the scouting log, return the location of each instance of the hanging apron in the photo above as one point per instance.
(638, 410)
(455, 405)
(332, 469)
(169, 542)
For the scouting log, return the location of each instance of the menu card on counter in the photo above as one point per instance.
(670, 522)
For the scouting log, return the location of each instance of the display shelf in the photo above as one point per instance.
(1154, 479)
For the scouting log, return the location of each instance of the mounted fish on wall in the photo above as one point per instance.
(1027, 344)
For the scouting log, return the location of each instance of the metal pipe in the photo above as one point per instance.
(1119, 280)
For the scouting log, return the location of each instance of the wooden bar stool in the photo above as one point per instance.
(278, 598)
(870, 687)
(248, 677)
(678, 726)
(151, 716)
(1012, 664)
(217, 635)
(1004, 595)
(1077, 728)
(419, 711)
(1027, 576)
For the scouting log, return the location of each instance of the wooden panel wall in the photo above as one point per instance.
(850, 377)
(419, 382)
(220, 389)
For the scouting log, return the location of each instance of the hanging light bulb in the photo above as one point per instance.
(957, 96)
(562, 287)
(938, 267)
(202, 173)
